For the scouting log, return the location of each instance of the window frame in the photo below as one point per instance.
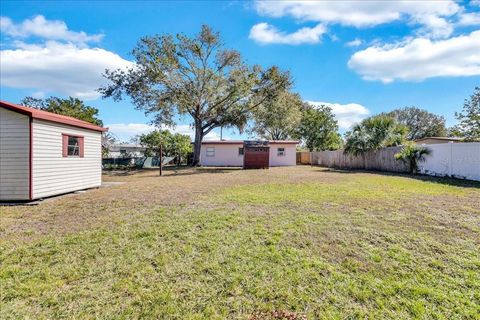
(210, 152)
(65, 145)
(241, 151)
(281, 153)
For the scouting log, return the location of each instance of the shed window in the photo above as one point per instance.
(72, 146)
(210, 151)
(240, 151)
(280, 152)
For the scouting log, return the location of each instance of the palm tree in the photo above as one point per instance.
(374, 133)
(413, 154)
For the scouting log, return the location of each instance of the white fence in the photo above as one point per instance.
(459, 160)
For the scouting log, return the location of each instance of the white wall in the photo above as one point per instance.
(226, 155)
(55, 174)
(460, 160)
(14, 155)
(289, 159)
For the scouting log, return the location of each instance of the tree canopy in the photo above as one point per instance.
(374, 133)
(420, 123)
(278, 118)
(72, 107)
(469, 118)
(318, 128)
(196, 77)
(172, 144)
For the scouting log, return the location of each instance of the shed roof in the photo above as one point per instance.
(50, 116)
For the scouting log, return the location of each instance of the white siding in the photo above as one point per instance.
(289, 159)
(54, 174)
(14, 155)
(226, 155)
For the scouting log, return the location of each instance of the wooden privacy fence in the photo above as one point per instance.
(381, 160)
(303, 157)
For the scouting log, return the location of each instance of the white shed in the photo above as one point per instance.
(231, 153)
(44, 154)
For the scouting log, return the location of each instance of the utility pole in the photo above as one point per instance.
(160, 159)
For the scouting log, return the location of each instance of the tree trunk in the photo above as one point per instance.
(197, 144)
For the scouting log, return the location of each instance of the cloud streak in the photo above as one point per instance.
(268, 34)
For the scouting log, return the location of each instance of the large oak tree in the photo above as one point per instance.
(420, 123)
(195, 77)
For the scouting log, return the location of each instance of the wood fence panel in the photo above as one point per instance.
(381, 160)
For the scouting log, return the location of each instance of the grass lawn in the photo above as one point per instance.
(284, 243)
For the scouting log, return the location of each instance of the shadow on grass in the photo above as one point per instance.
(174, 171)
(441, 180)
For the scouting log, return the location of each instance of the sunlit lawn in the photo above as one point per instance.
(294, 242)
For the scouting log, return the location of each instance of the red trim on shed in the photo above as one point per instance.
(49, 116)
(81, 144)
(30, 160)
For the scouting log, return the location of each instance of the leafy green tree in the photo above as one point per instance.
(172, 144)
(412, 155)
(71, 107)
(195, 77)
(108, 139)
(469, 118)
(318, 128)
(420, 123)
(374, 133)
(278, 118)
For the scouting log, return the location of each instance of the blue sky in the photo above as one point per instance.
(361, 57)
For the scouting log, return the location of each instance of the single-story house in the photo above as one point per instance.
(248, 154)
(437, 140)
(121, 150)
(44, 154)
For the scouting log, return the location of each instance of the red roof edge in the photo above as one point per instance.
(241, 142)
(50, 116)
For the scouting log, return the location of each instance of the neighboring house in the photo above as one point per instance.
(437, 140)
(44, 154)
(123, 150)
(248, 154)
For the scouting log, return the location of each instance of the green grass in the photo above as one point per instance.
(361, 246)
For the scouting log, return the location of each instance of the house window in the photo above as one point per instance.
(210, 151)
(72, 146)
(280, 152)
(240, 151)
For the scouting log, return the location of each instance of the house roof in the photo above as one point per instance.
(440, 138)
(50, 116)
(242, 141)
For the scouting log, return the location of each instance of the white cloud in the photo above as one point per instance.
(40, 27)
(55, 67)
(355, 13)
(420, 58)
(346, 114)
(354, 43)
(266, 34)
(126, 131)
(469, 19)
(434, 26)
(430, 14)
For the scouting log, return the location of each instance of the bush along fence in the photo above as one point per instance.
(457, 160)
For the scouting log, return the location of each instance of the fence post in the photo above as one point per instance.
(450, 162)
